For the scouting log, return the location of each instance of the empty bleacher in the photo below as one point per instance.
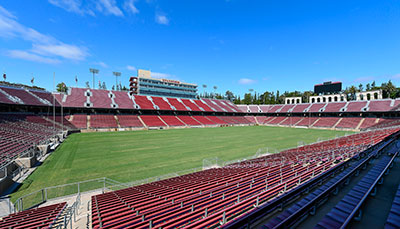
(190, 104)
(177, 104)
(356, 106)
(161, 103)
(204, 120)
(143, 102)
(209, 198)
(334, 107)
(80, 121)
(103, 121)
(129, 121)
(379, 105)
(43, 217)
(171, 120)
(189, 120)
(152, 120)
(100, 99)
(349, 123)
(326, 122)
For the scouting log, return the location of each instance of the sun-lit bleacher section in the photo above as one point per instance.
(217, 196)
(103, 121)
(129, 121)
(189, 120)
(172, 120)
(43, 217)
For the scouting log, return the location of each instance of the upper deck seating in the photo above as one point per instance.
(46, 96)
(316, 107)
(356, 106)
(100, 99)
(274, 108)
(161, 103)
(177, 104)
(22, 94)
(253, 108)
(77, 97)
(143, 102)
(300, 108)
(213, 105)
(191, 105)
(286, 108)
(334, 107)
(265, 108)
(203, 105)
(380, 105)
(123, 100)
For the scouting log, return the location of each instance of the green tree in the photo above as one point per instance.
(61, 87)
(229, 95)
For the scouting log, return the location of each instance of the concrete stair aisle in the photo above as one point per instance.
(360, 123)
(334, 126)
(116, 119)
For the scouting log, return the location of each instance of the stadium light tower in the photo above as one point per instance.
(94, 71)
(116, 74)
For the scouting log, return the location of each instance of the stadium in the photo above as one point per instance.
(154, 151)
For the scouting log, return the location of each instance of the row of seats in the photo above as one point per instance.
(346, 209)
(327, 122)
(81, 121)
(12, 95)
(308, 204)
(20, 133)
(83, 97)
(43, 217)
(212, 197)
(331, 107)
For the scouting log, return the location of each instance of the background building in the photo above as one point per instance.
(144, 84)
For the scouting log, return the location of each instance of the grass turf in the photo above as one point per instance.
(134, 155)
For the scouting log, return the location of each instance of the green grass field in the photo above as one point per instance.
(133, 155)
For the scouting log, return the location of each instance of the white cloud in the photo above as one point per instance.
(162, 19)
(82, 7)
(130, 68)
(129, 6)
(101, 64)
(246, 81)
(66, 51)
(109, 7)
(69, 5)
(24, 55)
(45, 48)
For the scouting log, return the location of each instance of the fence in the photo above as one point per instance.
(36, 198)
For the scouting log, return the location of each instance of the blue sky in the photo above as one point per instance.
(235, 45)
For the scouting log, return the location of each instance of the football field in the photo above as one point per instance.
(133, 155)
